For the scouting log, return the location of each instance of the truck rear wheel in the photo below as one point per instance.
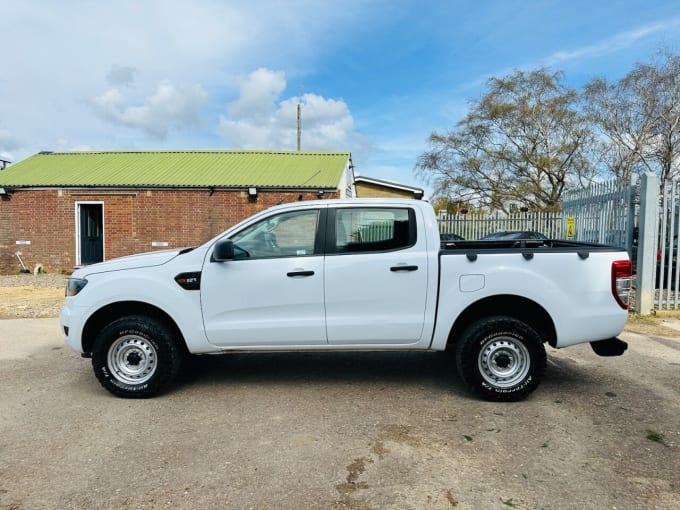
(135, 357)
(501, 358)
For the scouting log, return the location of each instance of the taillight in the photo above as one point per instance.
(622, 272)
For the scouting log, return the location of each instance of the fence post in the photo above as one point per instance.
(646, 256)
(630, 221)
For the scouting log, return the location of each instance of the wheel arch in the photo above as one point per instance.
(509, 305)
(114, 311)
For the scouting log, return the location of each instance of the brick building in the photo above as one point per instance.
(63, 210)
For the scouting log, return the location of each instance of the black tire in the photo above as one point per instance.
(500, 358)
(136, 357)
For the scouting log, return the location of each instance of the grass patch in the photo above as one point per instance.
(656, 437)
(636, 318)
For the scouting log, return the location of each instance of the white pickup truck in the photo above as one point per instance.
(358, 274)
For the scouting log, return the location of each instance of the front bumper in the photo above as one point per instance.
(70, 329)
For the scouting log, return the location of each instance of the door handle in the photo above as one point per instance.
(293, 274)
(394, 269)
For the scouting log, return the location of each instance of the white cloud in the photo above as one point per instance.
(258, 93)
(327, 124)
(613, 44)
(119, 53)
(170, 107)
(260, 119)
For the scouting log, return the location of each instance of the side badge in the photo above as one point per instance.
(189, 281)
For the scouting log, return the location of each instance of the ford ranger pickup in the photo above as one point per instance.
(355, 274)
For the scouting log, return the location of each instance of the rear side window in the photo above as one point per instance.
(374, 229)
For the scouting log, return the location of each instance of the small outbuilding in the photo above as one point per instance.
(368, 187)
(64, 210)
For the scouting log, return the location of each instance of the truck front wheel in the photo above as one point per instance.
(500, 358)
(135, 357)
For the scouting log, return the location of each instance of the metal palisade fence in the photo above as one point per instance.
(474, 225)
(605, 212)
(616, 213)
(658, 278)
(643, 218)
(602, 213)
(667, 277)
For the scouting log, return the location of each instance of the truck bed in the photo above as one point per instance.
(524, 245)
(570, 280)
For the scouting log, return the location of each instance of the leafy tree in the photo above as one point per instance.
(524, 142)
(639, 117)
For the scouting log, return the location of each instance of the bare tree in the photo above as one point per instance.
(523, 143)
(639, 118)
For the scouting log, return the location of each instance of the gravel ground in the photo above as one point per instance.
(26, 296)
(337, 431)
(43, 280)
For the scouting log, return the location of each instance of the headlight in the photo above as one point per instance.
(75, 285)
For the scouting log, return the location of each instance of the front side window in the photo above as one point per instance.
(374, 229)
(289, 234)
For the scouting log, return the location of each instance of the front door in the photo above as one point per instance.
(272, 292)
(91, 233)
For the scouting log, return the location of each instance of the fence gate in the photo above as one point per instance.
(666, 277)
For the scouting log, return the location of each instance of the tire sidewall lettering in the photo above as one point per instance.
(514, 389)
(137, 332)
(497, 334)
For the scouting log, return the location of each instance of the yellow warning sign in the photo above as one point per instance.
(571, 227)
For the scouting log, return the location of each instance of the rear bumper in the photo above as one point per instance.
(609, 347)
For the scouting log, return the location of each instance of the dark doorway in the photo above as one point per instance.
(91, 233)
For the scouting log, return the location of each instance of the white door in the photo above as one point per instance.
(272, 292)
(376, 277)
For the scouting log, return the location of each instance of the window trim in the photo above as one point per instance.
(331, 234)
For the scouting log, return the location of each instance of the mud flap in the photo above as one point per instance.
(609, 347)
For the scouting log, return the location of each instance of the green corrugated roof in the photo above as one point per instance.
(178, 169)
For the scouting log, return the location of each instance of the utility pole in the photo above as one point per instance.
(299, 125)
(299, 120)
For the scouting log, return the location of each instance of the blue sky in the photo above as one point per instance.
(374, 77)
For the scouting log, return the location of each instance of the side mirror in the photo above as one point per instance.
(223, 251)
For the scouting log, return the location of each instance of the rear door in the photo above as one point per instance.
(376, 276)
